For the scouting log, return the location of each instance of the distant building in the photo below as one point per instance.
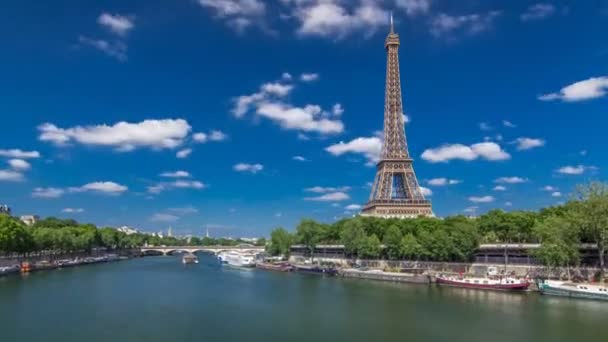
(249, 240)
(170, 232)
(127, 230)
(5, 209)
(29, 220)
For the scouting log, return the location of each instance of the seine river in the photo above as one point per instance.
(159, 299)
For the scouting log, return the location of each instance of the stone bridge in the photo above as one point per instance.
(166, 250)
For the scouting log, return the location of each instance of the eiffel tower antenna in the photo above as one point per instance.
(396, 192)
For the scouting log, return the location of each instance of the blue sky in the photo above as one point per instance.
(270, 110)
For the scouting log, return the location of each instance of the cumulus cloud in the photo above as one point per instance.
(123, 136)
(47, 192)
(19, 164)
(185, 153)
(524, 143)
(588, 89)
(481, 199)
(237, 14)
(549, 188)
(10, 176)
(17, 153)
(510, 180)
(574, 170)
(508, 123)
(118, 24)
(353, 207)
(500, 188)
(426, 192)
(299, 158)
(443, 181)
(73, 210)
(214, 135)
(369, 147)
(537, 12)
(337, 109)
(330, 197)
(110, 188)
(335, 20)
(485, 150)
(471, 24)
(556, 194)
(176, 174)
(245, 167)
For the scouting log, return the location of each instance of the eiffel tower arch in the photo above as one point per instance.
(396, 192)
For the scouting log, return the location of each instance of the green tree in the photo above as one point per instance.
(353, 236)
(590, 214)
(280, 242)
(410, 248)
(559, 242)
(309, 234)
(392, 242)
(370, 248)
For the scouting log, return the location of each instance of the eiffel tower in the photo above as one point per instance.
(395, 192)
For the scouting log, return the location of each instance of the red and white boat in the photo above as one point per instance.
(502, 284)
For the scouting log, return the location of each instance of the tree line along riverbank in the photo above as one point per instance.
(559, 230)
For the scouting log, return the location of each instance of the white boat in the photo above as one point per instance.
(239, 259)
(189, 259)
(573, 290)
(221, 257)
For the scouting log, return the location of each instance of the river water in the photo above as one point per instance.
(159, 299)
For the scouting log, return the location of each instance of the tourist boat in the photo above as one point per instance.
(189, 259)
(502, 283)
(281, 267)
(26, 267)
(238, 259)
(574, 290)
(314, 269)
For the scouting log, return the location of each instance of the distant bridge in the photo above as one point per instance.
(166, 250)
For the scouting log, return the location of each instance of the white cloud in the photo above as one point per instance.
(588, 89)
(116, 23)
(471, 209)
(216, 135)
(406, 118)
(330, 197)
(277, 89)
(322, 189)
(537, 12)
(443, 181)
(17, 153)
(286, 76)
(353, 207)
(508, 123)
(238, 14)
(484, 126)
(335, 20)
(337, 109)
(73, 210)
(110, 188)
(572, 170)
(556, 194)
(414, 7)
(524, 143)
(200, 137)
(116, 49)
(510, 180)
(444, 24)
(177, 184)
(549, 188)
(176, 174)
(426, 191)
(310, 77)
(251, 168)
(508, 204)
(163, 217)
(124, 136)
(481, 199)
(500, 188)
(47, 192)
(486, 150)
(307, 119)
(10, 176)
(181, 154)
(19, 164)
(300, 158)
(369, 147)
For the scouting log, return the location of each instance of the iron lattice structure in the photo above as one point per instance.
(396, 192)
